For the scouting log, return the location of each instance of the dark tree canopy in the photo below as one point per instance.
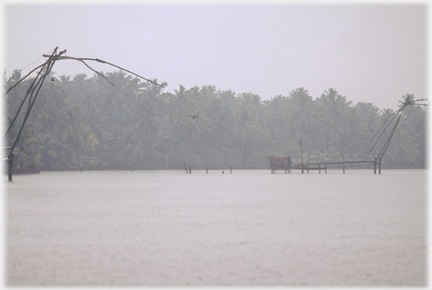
(87, 122)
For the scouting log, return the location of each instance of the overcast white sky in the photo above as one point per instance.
(372, 53)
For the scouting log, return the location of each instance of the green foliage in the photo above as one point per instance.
(87, 123)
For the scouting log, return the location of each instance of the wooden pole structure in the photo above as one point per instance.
(32, 93)
(187, 172)
(325, 168)
(408, 100)
(190, 170)
(36, 85)
(319, 167)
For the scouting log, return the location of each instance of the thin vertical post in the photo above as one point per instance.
(319, 167)
(10, 164)
(301, 157)
(343, 165)
(190, 170)
(325, 168)
(206, 170)
(379, 166)
(289, 164)
(375, 165)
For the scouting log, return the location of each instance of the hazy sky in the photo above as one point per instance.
(372, 53)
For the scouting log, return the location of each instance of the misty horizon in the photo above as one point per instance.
(369, 53)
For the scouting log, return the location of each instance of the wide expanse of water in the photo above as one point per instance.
(169, 228)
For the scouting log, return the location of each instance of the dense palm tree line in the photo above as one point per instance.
(86, 123)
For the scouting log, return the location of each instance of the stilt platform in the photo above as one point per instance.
(323, 166)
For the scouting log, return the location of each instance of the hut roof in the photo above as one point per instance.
(279, 161)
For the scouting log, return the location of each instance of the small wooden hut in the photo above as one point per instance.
(279, 162)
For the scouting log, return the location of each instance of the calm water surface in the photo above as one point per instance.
(169, 228)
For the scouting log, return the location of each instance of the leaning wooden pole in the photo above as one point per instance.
(187, 171)
(33, 95)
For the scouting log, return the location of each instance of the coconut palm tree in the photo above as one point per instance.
(333, 113)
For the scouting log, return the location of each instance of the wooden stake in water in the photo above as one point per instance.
(301, 156)
(343, 159)
(375, 165)
(10, 164)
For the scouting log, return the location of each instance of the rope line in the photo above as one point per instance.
(66, 66)
(31, 63)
